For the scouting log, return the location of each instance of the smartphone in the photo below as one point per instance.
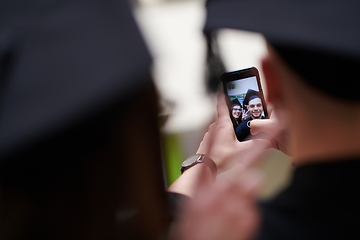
(245, 99)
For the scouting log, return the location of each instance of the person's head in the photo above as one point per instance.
(75, 156)
(236, 111)
(255, 107)
(253, 103)
(313, 116)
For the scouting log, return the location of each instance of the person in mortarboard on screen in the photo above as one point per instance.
(236, 112)
(254, 105)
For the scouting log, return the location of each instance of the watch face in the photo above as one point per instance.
(191, 160)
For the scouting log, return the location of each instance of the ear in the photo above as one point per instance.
(272, 80)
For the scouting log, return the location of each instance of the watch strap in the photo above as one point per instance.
(202, 159)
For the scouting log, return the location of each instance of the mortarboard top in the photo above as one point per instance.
(62, 61)
(235, 102)
(250, 95)
(319, 39)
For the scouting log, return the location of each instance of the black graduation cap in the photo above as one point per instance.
(62, 61)
(319, 39)
(250, 95)
(235, 102)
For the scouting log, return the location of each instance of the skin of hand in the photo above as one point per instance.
(224, 210)
(275, 130)
(245, 115)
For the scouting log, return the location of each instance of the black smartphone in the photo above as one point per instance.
(245, 99)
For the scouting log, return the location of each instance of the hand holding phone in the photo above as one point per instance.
(244, 92)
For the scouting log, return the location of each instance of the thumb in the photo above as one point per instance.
(269, 126)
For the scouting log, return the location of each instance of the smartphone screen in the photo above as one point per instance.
(245, 99)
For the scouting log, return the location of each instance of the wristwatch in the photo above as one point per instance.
(196, 159)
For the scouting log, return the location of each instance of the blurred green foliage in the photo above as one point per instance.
(173, 156)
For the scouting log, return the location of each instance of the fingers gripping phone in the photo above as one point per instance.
(245, 99)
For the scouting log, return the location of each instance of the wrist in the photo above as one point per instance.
(199, 159)
(188, 183)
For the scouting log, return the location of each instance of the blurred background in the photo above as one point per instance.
(173, 32)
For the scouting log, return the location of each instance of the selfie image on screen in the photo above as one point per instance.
(246, 104)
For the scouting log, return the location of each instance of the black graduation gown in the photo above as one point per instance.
(243, 130)
(321, 202)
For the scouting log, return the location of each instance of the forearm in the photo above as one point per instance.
(186, 184)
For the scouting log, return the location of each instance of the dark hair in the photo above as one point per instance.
(40, 167)
(86, 176)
